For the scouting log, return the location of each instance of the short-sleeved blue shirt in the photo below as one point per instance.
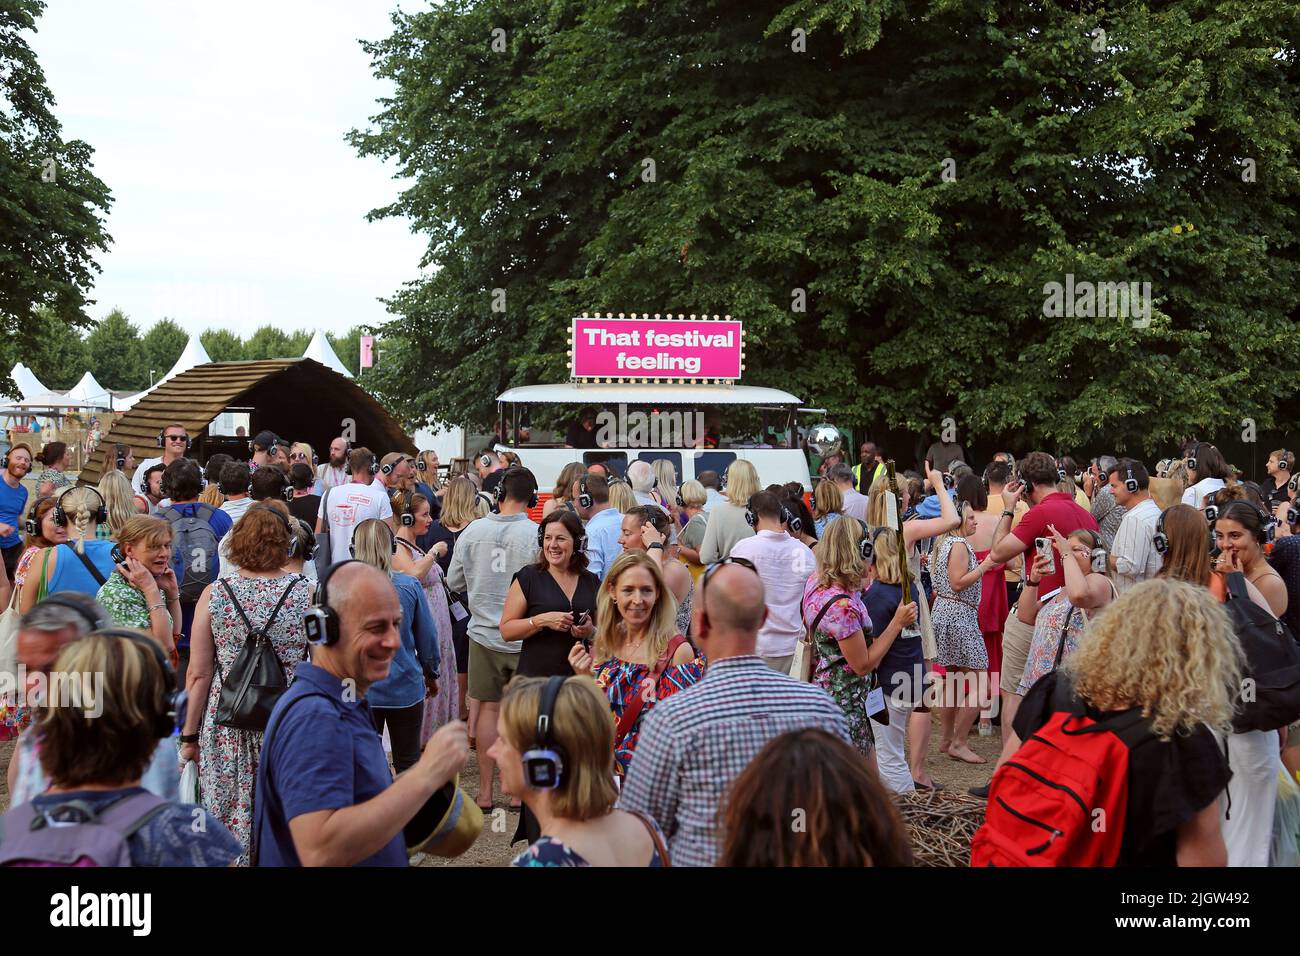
(12, 502)
(320, 752)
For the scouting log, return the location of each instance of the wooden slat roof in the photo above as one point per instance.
(298, 399)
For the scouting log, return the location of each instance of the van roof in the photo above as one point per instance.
(647, 394)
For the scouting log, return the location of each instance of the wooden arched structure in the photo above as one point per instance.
(298, 399)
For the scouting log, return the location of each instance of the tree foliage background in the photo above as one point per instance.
(802, 146)
(52, 207)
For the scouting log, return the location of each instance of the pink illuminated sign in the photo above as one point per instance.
(657, 348)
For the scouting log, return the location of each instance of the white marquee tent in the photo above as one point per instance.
(320, 350)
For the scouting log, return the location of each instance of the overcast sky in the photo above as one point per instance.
(219, 129)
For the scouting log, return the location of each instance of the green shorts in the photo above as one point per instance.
(489, 672)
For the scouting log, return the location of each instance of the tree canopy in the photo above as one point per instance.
(52, 206)
(913, 176)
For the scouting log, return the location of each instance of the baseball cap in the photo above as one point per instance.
(265, 439)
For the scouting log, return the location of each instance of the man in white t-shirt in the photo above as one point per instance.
(1133, 557)
(784, 564)
(349, 505)
(174, 441)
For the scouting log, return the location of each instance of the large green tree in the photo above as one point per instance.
(223, 345)
(269, 342)
(56, 353)
(913, 176)
(52, 206)
(117, 358)
(162, 345)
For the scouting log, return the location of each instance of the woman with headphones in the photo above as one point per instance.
(397, 701)
(83, 562)
(552, 602)
(837, 619)
(1059, 619)
(414, 517)
(1240, 533)
(260, 596)
(1207, 472)
(142, 592)
(562, 767)
(96, 767)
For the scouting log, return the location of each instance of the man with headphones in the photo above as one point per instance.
(693, 745)
(326, 796)
(334, 472)
(174, 440)
(784, 564)
(13, 499)
(345, 507)
(395, 471)
(1281, 469)
(1133, 557)
(603, 522)
(488, 553)
(490, 469)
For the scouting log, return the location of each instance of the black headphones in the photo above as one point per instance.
(1211, 513)
(286, 486)
(579, 545)
(374, 465)
(1293, 514)
(421, 464)
(1293, 485)
(320, 621)
(501, 496)
(866, 548)
(1281, 460)
(1191, 459)
(485, 461)
(584, 497)
(484, 497)
(121, 451)
(544, 763)
(1130, 483)
(61, 516)
(407, 519)
(788, 518)
(162, 442)
(168, 708)
(681, 503)
(1160, 540)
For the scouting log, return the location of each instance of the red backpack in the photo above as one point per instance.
(1061, 799)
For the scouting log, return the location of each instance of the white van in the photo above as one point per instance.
(653, 421)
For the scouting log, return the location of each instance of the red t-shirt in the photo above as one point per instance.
(1057, 509)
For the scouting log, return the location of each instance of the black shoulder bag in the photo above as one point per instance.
(256, 679)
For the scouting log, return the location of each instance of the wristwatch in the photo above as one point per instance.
(657, 544)
(1008, 514)
(189, 738)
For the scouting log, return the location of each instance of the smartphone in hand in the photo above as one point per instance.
(1043, 546)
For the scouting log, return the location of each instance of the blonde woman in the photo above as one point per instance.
(621, 497)
(666, 490)
(579, 825)
(691, 538)
(828, 505)
(1180, 632)
(458, 509)
(562, 495)
(727, 523)
(301, 453)
(834, 612)
(115, 488)
(68, 566)
(637, 656)
(143, 592)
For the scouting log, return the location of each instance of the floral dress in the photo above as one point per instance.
(548, 851)
(1048, 627)
(683, 619)
(24, 562)
(832, 672)
(228, 757)
(956, 617)
(621, 680)
(445, 705)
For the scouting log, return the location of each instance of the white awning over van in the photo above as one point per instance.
(637, 394)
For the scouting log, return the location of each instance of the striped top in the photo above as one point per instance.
(695, 743)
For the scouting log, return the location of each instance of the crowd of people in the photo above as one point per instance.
(656, 672)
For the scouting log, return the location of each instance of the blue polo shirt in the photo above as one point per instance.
(12, 502)
(320, 752)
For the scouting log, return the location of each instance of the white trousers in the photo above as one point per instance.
(1254, 761)
(891, 749)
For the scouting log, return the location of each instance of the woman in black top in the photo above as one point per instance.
(553, 600)
(1176, 772)
(304, 505)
